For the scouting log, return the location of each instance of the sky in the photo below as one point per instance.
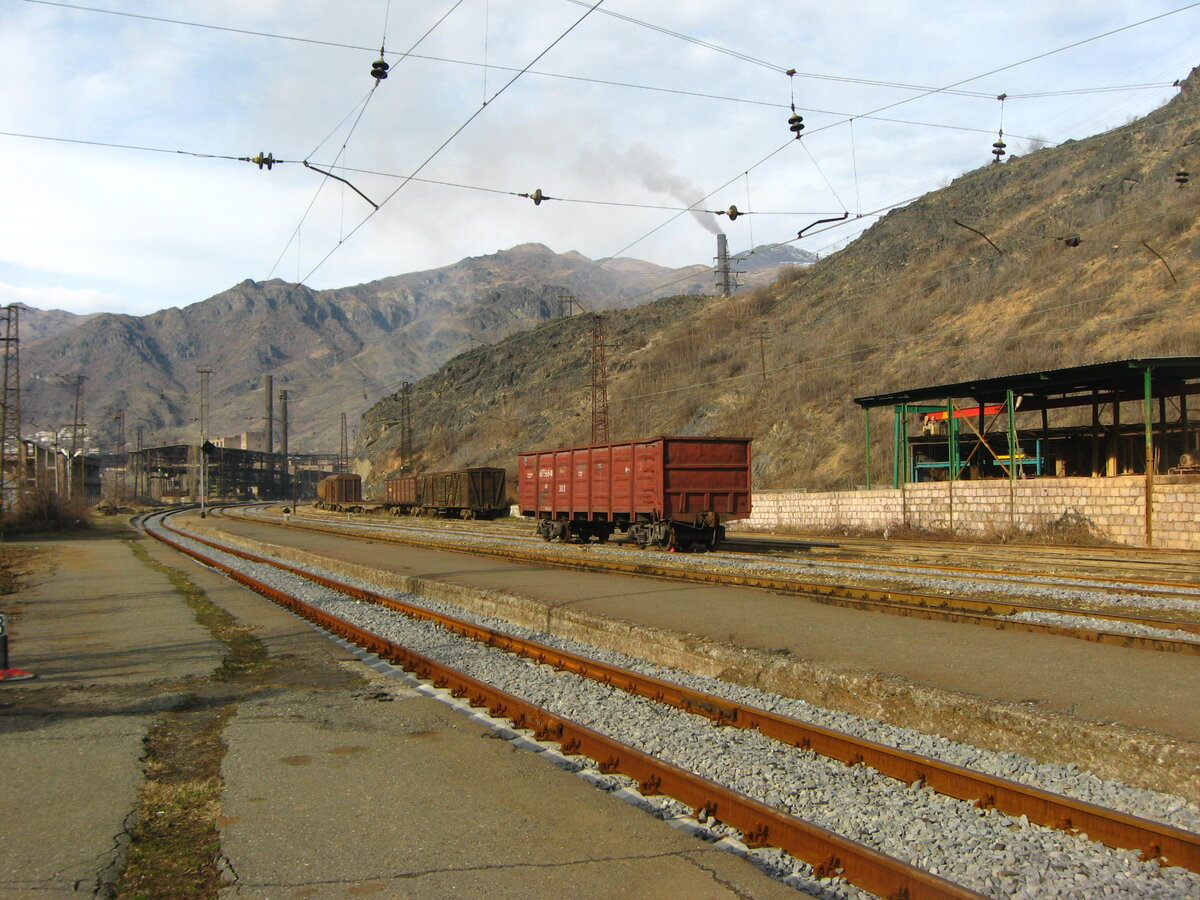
(124, 139)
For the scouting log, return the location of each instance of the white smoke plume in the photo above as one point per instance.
(656, 174)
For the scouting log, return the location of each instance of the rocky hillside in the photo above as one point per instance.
(35, 324)
(1081, 253)
(335, 351)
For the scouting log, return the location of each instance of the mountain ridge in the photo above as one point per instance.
(334, 350)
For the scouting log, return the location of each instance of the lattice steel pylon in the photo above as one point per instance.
(344, 453)
(406, 432)
(599, 383)
(12, 448)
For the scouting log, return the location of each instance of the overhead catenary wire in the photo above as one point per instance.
(455, 134)
(413, 179)
(926, 93)
(899, 205)
(362, 108)
(572, 77)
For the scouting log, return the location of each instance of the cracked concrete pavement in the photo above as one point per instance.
(109, 641)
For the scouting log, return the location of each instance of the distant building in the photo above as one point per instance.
(247, 440)
(52, 470)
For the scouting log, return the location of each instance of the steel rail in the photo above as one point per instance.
(1100, 557)
(751, 543)
(754, 544)
(830, 854)
(992, 613)
(1155, 840)
(1138, 587)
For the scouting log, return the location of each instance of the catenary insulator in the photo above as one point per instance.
(1182, 176)
(796, 124)
(733, 212)
(379, 69)
(268, 160)
(998, 149)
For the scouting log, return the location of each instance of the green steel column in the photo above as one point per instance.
(1148, 411)
(1012, 436)
(908, 470)
(867, 414)
(895, 446)
(1012, 463)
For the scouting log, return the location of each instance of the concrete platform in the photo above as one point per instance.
(1122, 713)
(338, 781)
(112, 645)
(1145, 689)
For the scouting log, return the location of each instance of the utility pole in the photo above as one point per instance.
(137, 475)
(599, 383)
(12, 448)
(344, 454)
(567, 305)
(123, 453)
(75, 381)
(762, 334)
(406, 435)
(269, 429)
(204, 372)
(283, 438)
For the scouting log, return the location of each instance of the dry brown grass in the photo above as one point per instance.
(918, 300)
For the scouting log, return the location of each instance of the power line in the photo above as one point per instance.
(847, 79)
(455, 134)
(362, 110)
(880, 109)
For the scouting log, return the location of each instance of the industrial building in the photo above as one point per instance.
(1128, 417)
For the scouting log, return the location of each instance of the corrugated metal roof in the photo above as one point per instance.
(1126, 374)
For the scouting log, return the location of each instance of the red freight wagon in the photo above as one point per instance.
(400, 491)
(476, 492)
(666, 491)
(334, 490)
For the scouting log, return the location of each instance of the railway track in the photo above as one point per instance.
(1147, 566)
(758, 822)
(1167, 633)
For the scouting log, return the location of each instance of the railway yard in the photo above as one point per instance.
(900, 719)
(848, 717)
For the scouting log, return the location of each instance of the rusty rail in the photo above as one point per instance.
(991, 613)
(830, 854)
(1172, 845)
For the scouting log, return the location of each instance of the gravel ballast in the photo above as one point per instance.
(987, 851)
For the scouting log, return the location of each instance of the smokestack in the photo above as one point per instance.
(283, 426)
(724, 279)
(269, 415)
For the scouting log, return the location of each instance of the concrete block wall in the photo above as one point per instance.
(1114, 507)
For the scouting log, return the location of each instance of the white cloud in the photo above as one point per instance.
(151, 230)
(80, 301)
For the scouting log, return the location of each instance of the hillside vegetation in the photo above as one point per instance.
(1090, 255)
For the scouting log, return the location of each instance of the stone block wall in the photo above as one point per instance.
(1114, 507)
